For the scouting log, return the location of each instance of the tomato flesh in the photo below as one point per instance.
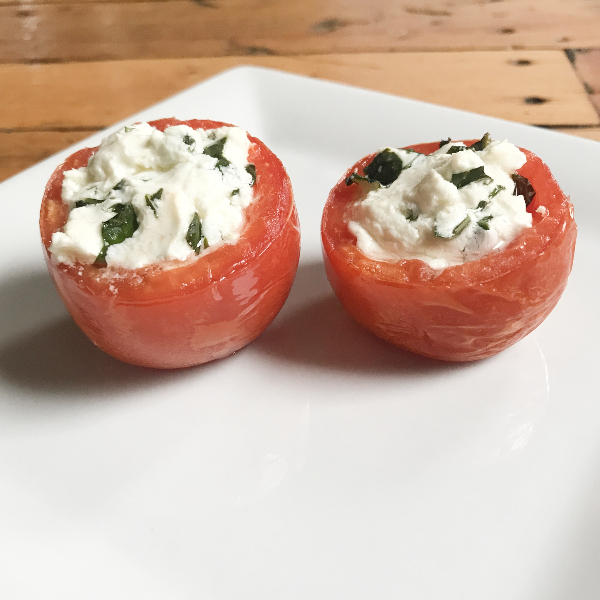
(469, 311)
(181, 314)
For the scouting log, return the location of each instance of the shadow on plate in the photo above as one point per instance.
(317, 331)
(43, 350)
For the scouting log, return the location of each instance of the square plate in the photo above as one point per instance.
(319, 462)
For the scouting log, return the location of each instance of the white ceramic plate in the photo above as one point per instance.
(319, 462)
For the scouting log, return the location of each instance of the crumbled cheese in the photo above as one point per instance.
(424, 215)
(168, 179)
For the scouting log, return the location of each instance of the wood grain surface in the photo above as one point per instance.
(68, 68)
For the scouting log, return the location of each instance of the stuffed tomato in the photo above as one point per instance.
(481, 294)
(166, 279)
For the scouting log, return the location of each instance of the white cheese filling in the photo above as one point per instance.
(168, 179)
(424, 215)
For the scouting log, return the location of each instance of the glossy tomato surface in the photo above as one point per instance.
(186, 313)
(469, 311)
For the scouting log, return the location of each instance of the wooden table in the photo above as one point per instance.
(71, 67)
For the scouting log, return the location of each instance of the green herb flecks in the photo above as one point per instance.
(456, 231)
(484, 222)
(523, 188)
(466, 177)
(444, 142)
(216, 151)
(151, 200)
(496, 191)
(235, 192)
(119, 185)
(117, 229)
(251, 169)
(190, 142)
(88, 201)
(128, 129)
(482, 204)
(355, 178)
(194, 236)
(484, 142)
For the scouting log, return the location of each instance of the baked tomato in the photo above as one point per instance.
(468, 311)
(206, 307)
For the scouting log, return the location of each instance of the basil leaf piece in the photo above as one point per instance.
(117, 229)
(384, 168)
(216, 151)
(484, 142)
(456, 231)
(482, 204)
(88, 201)
(194, 234)
(151, 200)
(484, 222)
(455, 149)
(466, 177)
(523, 188)
(189, 141)
(119, 185)
(444, 142)
(251, 169)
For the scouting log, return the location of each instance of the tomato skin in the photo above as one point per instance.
(199, 310)
(469, 311)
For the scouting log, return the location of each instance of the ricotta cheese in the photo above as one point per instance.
(148, 196)
(450, 207)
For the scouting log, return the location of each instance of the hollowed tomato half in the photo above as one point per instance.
(178, 315)
(466, 312)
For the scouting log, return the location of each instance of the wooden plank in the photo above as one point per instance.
(21, 149)
(587, 66)
(591, 133)
(70, 31)
(532, 87)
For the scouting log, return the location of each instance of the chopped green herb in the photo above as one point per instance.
(216, 151)
(128, 129)
(482, 204)
(466, 177)
(151, 200)
(484, 142)
(456, 231)
(444, 142)
(455, 149)
(484, 222)
(235, 193)
(523, 188)
(194, 234)
(118, 228)
(189, 141)
(251, 169)
(119, 185)
(496, 191)
(88, 201)
(384, 168)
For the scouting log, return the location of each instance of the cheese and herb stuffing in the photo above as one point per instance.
(148, 196)
(447, 208)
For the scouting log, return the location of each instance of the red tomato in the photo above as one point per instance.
(206, 308)
(469, 311)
